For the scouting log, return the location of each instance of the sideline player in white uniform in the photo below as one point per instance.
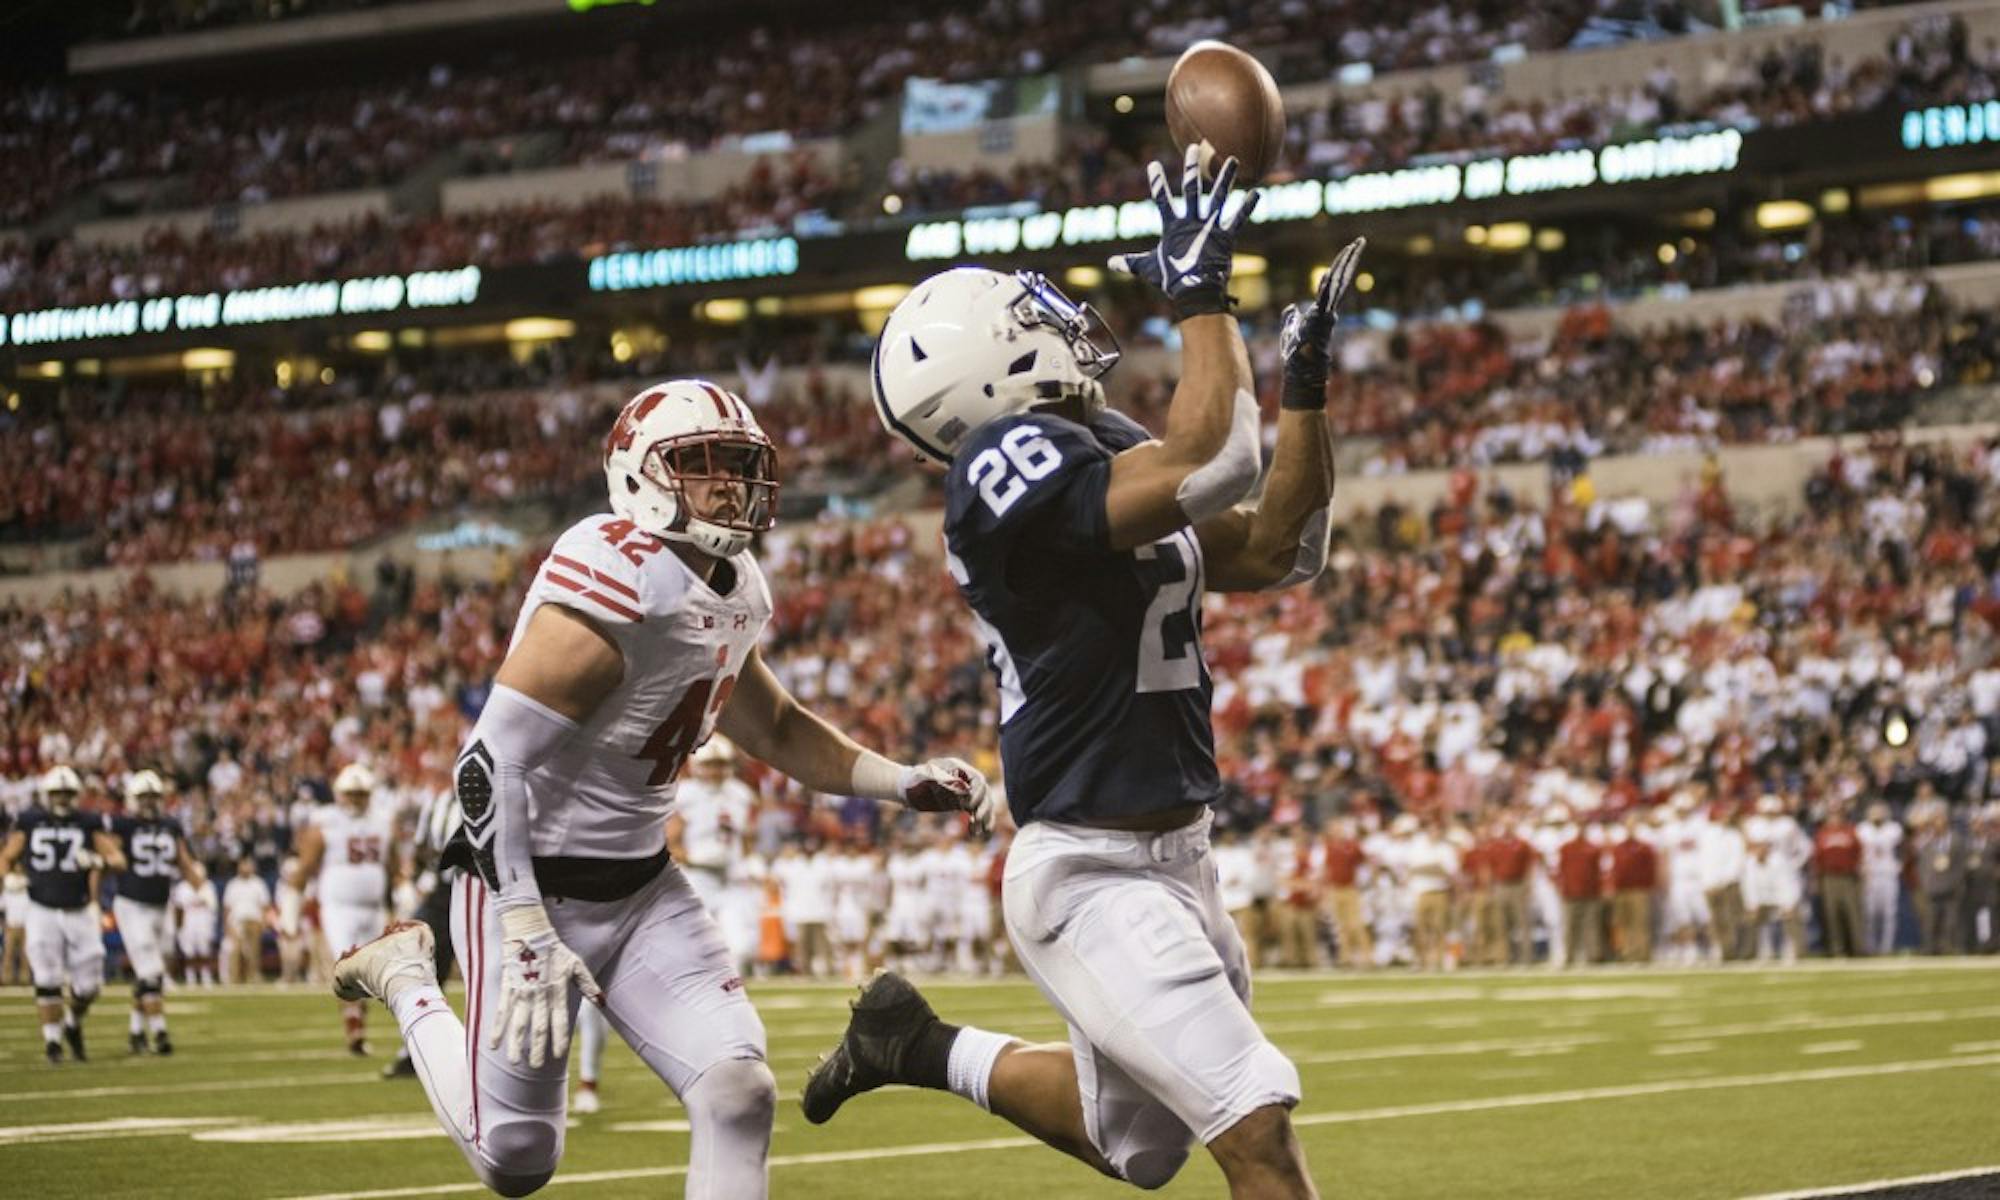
(156, 855)
(637, 638)
(351, 850)
(1881, 876)
(711, 807)
(907, 928)
(1083, 548)
(196, 917)
(65, 849)
(1686, 918)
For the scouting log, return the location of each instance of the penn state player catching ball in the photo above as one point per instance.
(1083, 548)
(636, 640)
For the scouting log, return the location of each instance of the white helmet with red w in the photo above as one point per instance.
(691, 432)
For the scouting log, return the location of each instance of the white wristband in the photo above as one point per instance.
(876, 778)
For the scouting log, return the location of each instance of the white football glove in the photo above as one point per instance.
(536, 971)
(89, 860)
(948, 785)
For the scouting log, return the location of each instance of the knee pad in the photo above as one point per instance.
(739, 1092)
(1150, 1168)
(49, 995)
(142, 988)
(520, 1156)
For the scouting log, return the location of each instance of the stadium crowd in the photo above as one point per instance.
(1587, 673)
(311, 142)
(154, 475)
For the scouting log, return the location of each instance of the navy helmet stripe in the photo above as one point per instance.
(889, 418)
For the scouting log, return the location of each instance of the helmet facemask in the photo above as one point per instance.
(722, 489)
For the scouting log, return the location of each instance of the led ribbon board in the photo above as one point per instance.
(1668, 157)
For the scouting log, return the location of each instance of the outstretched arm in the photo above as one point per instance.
(771, 725)
(1282, 540)
(1208, 459)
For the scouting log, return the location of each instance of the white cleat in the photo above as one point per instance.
(405, 948)
(586, 1102)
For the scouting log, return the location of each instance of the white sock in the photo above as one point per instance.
(973, 1053)
(138, 1022)
(52, 1031)
(157, 1022)
(435, 1038)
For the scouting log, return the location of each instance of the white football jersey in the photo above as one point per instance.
(355, 868)
(906, 880)
(1881, 848)
(607, 792)
(713, 817)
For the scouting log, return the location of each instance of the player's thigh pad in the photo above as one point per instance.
(1135, 951)
(141, 926)
(83, 951)
(518, 1111)
(671, 988)
(349, 925)
(48, 958)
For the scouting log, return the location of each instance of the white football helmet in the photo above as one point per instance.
(60, 787)
(145, 789)
(354, 777)
(691, 431)
(968, 345)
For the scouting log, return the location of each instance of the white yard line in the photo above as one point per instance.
(1360, 1116)
(1846, 1047)
(1851, 1189)
(1668, 1049)
(123, 1127)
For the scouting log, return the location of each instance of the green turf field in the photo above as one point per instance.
(1602, 1084)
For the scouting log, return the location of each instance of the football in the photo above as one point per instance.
(1219, 95)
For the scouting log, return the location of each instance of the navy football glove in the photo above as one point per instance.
(1197, 238)
(1306, 342)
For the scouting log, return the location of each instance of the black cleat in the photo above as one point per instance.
(358, 1047)
(162, 1044)
(138, 1041)
(54, 1051)
(73, 1034)
(400, 1067)
(889, 1020)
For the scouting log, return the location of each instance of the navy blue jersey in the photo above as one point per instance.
(152, 857)
(55, 878)
(1104, 697)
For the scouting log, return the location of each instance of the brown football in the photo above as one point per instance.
(1218, 94)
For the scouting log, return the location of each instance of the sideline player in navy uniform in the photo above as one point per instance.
(65, 848)
(156, 854)
(1083, 548)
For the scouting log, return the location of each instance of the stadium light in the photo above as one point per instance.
(892, 204)
(1363, 282)
(1550, 240)
(727, 311)
(1783, 214)
(208, 358)
(1244, 266)
(1084, 278)
(1508, 235)
(1667, 254)
(1475, 235)
(374, 341)
(1835, 200)
(1123, 104)
(539, 329)
(882, 296)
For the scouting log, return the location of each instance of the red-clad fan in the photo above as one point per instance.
(1341, 860)
(1635, 873)
(1580, 881)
